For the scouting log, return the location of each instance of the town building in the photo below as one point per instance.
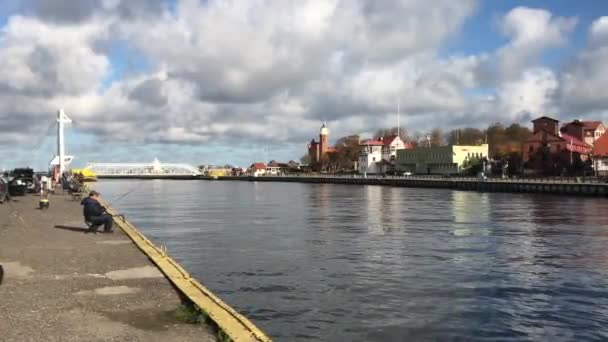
(551, 149)
(257, 169)
(378, 155)
(600, 155)
(317, 151)
(447, 160)
(586, 131)
(370, 157)
(275, 168)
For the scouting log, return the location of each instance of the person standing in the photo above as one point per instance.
(96, 214)
(44, 185)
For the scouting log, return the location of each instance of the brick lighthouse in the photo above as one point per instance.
(318, 150)
(323, 141)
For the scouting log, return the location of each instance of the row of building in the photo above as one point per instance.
(391, 154)
(585, 141)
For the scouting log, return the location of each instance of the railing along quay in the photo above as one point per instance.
(585, 186)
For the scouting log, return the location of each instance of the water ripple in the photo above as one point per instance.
(349, 263)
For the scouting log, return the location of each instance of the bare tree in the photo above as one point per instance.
(436, 137)
(305, 159)
(387, 132)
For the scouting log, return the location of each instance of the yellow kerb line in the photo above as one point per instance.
(235, 325)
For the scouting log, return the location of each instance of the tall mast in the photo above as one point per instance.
(61, 120)
(398, 118)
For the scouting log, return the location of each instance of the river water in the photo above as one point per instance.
(370, 263)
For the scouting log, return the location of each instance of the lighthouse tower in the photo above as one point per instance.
(323, 141)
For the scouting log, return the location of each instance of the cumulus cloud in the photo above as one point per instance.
(531, 32)
(199, 72)
(584, 78)
(532, 94)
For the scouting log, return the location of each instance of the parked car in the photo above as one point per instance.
(17, 186)
(21, 181)
(4, 196)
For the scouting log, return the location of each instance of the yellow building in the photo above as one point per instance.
(440, 159)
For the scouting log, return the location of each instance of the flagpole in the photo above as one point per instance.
(571, 147)
(398, 118)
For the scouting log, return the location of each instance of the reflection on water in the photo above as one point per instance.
(371, 263)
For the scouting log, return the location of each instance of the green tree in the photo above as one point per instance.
(517, 133)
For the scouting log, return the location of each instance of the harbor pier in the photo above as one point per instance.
(61, 284)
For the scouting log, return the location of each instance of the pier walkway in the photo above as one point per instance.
(63, 285)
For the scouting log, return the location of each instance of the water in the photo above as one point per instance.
(368, 263)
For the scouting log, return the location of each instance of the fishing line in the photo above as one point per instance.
(38, 144)
(125, 194)
(41, 143)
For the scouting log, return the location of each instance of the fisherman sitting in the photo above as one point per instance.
(95, 214)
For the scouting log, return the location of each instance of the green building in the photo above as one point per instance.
(440, 159)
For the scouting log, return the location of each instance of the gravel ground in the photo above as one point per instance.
(63, 285)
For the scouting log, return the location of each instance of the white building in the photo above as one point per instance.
(257, 169)
(378, 156)
(600, 155)
(391, 145)
(369, 156)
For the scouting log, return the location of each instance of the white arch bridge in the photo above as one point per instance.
(156, 168)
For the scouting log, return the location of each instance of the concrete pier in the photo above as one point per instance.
(467, 184)
(63, 285)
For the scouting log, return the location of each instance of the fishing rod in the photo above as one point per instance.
(121, 196)
(126, 193)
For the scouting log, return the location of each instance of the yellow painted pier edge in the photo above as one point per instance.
(233, 324)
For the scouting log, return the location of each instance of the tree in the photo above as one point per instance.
(387, 132)
(466, 136)
(517, 133)
(504, 142)
(347, 152)
(437, 137)
(305, 159)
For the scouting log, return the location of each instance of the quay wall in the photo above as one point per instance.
(234, 325)
(549, 186)
(511, 186)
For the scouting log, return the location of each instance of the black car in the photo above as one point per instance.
(4, 196)
(21, 182)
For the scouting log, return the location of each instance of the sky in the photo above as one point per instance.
(233, 81)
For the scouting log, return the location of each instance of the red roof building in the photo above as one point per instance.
(550, 146)
(600, 149)
(587, 131)
(258, 166)
(600, 155)
(371, 142)
(378, 155)
(573, 144)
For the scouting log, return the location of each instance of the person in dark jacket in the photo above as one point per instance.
(96, 214)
